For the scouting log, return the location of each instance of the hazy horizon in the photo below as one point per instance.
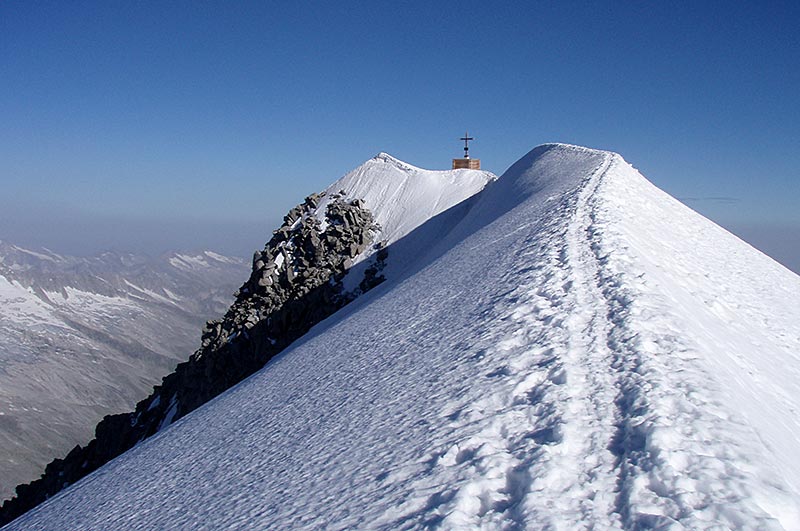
(237, 238)
(140, 127)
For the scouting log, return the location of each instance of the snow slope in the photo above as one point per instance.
(401, 196)
(580, 351)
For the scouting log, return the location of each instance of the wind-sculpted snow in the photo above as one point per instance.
(580, 352)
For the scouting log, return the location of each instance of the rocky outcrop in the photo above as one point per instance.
(296, 282)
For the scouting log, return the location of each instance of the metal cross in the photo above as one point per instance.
(466, 138)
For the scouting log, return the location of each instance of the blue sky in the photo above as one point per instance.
(154, 125)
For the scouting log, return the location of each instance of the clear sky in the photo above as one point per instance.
(153, 125)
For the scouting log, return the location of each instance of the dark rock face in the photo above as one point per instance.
(296, 282)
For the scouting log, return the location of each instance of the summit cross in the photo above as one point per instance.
(466, 138)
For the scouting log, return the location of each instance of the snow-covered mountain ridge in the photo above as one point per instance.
(81, 337)
(296, 281)
(402, 197)
(574, 350)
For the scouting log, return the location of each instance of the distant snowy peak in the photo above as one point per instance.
(401, 196)
(202, 260)
(19, 259)
(46, 254)
(21, 305)
(50, 280)
(220, 258)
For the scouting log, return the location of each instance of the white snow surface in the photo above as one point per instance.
(581, 351)
(401, 196)
(198, 261)
(23, 305)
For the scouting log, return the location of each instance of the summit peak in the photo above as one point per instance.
(386, 158)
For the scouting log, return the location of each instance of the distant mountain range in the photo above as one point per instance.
(82, 337)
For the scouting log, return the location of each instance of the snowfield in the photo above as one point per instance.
(401, 196)
(577, 351)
